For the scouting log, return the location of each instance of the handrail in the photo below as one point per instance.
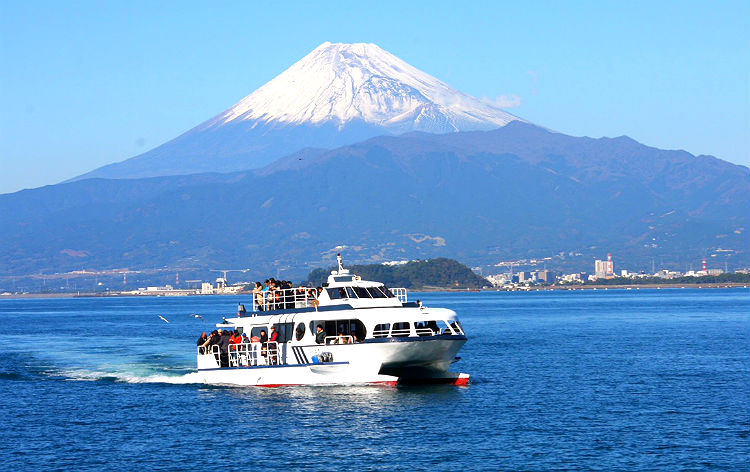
(246, 354)
(339, 340)
(280, 299)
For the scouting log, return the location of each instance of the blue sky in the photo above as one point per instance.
(83, 84)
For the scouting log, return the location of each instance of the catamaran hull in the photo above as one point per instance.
(379, 361)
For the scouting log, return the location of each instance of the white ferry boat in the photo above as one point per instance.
(350, 331)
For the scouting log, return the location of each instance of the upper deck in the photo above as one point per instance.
(343, 290)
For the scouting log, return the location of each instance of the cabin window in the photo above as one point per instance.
(336, 293)
(381, 330)
(346, 278)
(300, 331)
(375, 292)
(257, 329)
(362, 292)
(401, 329)
(430, 327)
(387, 292)
(350, 293)
(351, 327)
(285, 331)
(457, 327)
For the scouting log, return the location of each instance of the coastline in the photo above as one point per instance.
(17, 296)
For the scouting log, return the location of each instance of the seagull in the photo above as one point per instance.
(163, 319)
(197, 316)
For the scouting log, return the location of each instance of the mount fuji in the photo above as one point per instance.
(337, 95)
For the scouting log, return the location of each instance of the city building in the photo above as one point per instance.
(604, 269)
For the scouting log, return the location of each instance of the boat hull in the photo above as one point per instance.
(378, 361)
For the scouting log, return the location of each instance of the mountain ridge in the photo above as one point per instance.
(482, 197)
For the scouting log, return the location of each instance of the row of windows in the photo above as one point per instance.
(421, 328)
(380, 291)
(354, 327)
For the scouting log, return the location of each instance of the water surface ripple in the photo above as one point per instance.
(606, 380)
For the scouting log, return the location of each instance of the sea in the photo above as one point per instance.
(631, 380)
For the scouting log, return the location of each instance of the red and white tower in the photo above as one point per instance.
(705, 268)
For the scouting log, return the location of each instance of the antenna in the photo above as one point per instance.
(340, 261)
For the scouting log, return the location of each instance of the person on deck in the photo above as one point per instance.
(274, 348)
(320, 336)
(258, 296)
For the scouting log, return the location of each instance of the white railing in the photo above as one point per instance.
(339, 340)
(400, 293)
(246, 354)
(424, 332)
(381, 333)
(301, 297)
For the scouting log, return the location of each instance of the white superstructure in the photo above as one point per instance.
(372, 335)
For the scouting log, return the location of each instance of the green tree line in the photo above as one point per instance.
(432, 273)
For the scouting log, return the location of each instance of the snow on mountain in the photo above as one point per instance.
(339, 94)
(344, 82)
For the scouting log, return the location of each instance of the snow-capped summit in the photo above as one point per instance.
(338, 94)
(343, 82)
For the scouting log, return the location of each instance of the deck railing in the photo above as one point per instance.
(245, 354)
(400, 293)
(339, 340)
(281, 299)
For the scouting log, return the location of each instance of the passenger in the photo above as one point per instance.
(223, 347)
(275, 346)
(288, 295)
(341, 339)
(263, 343)
(266, 295)
(245, 339)
(258, 296)
(202, 340)
(320, 336)
(355, 339)
(213, 338)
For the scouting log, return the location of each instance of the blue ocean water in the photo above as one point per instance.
(584, 380)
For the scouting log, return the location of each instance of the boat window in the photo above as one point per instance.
(346, 278)
(401, 330)
(375, 292)
(350, 292)
(350, 327)
(362, 292)
(257, 329)
(430, 327)
(457, 327)
(300, 331)
(387, 292)
(336, 293)
(285, 331)
(381, 330)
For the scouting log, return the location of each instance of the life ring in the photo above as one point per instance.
(315, 303)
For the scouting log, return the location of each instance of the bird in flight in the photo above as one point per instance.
(197, 316)
(163, 319)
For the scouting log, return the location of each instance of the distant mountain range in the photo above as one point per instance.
(478, 196)
(338, 94)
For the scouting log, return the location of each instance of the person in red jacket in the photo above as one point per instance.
(273, 348)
